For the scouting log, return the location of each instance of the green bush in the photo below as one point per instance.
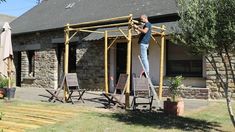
(1, 115)
(3, 82)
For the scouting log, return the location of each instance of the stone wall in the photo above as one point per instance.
(45, 73)
(45, 64)
(90, 65)
(49, 60)
(212, 81)
(190, 93)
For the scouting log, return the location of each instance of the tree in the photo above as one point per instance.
(208, 28)
(38, 2)
(2, 1)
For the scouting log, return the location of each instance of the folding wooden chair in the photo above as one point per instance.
(73, 86)
(142, 90)
(116, 98)
(54, 93)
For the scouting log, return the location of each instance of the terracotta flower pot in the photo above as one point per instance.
(174, 108)
(2, 93)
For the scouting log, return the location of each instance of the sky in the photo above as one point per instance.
(16, 7)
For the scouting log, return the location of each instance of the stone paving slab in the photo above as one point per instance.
(94, 99)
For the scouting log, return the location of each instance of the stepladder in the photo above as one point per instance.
(151, 86)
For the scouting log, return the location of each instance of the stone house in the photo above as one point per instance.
(38, 42)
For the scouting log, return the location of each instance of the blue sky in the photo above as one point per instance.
(16, 7)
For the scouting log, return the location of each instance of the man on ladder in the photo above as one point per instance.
(144, 39)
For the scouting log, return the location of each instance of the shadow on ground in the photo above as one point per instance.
(162, 121)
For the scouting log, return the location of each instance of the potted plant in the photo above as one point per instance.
(174, 105)
(3, 85)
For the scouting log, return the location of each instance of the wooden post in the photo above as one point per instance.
(66, 60)
(106, 61)
(161, 61)
(128, 69)
(9, 59)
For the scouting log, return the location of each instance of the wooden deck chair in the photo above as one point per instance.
(142, 90)
(73, 88)
(54, 93)
(116, 98)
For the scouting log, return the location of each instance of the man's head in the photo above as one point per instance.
(144, 18)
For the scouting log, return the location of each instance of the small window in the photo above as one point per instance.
(31, 61)
(181, 62)
(70, 5)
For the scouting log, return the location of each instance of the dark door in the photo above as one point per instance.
(18, 68)
(72, 58)
(121, 58)
(60, 58)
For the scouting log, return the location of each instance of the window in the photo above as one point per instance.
(31, 59)
(181, 62)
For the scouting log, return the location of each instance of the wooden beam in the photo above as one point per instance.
(160, 28)
(135, 22)
(155, 41)
(123, 33)
(112, 43)
(101, 21)
(154, 27)
(106, 61)
(83, 30)
(128, 69)
(66, 60)
(157, 33)
(73, 35)
(66, 55)
(162, 49)
(113, 30)
(107, 26)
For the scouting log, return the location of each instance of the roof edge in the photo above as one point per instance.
(160, 17)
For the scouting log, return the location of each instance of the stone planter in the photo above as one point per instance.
(174, 108)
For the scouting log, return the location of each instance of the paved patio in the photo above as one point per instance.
(94, 99)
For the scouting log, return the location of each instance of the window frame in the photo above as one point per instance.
(187, 62)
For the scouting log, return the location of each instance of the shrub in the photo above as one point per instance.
(3, 82)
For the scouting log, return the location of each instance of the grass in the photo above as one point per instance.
(211, 118)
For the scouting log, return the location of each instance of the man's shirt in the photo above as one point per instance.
(145, 37)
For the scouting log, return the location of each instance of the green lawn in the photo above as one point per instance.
(212, 118)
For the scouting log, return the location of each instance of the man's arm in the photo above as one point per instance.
(142, 30)
(135, 29)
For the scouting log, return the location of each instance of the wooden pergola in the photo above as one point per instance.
(125, 21)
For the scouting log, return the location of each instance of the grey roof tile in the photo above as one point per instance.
(52, 14)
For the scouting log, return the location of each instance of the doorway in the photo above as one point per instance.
(121, 59)
(72, 58)
(18, 68)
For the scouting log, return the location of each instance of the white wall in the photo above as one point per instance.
(154, 62)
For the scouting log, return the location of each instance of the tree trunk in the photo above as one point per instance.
(230, 109)
(225, 88)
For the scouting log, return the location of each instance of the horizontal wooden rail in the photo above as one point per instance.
(101, 21)
(107, 26)
(154, 27)
(90, 31)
